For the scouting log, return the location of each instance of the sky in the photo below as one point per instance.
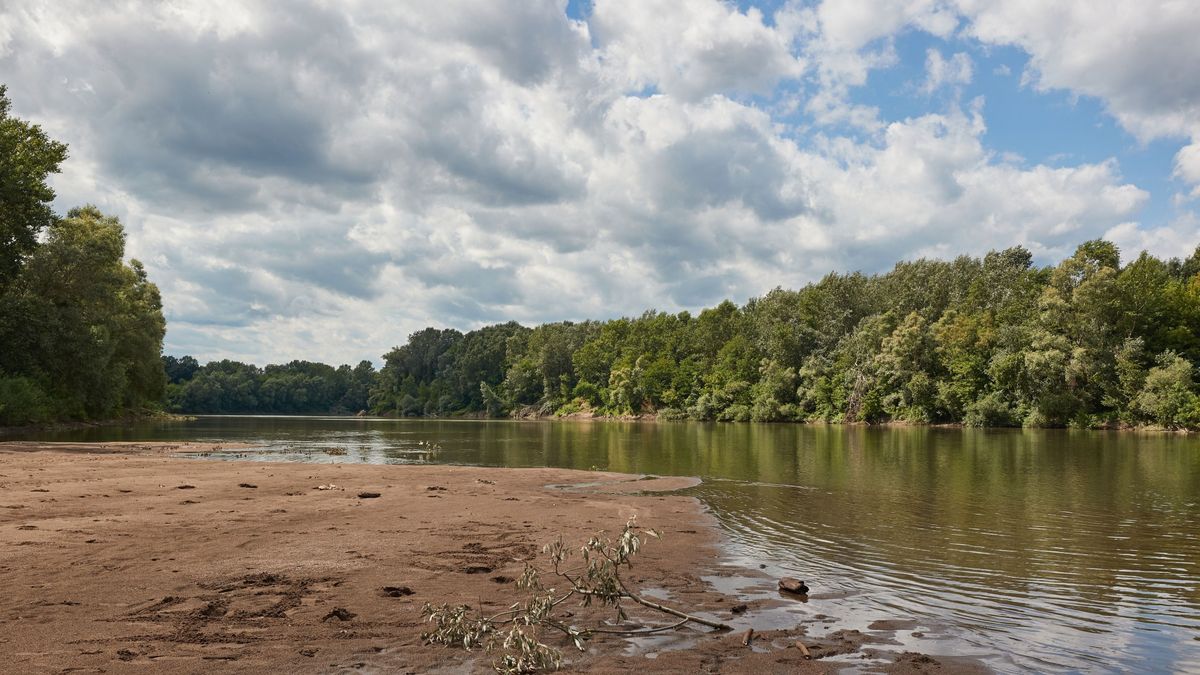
(316, 180)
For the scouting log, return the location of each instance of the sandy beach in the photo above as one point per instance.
(118, 557)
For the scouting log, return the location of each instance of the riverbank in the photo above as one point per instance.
(116, 557)
(74, 425)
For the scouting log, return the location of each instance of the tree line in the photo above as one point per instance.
(299, 387)
(991, 341)
(80, 330)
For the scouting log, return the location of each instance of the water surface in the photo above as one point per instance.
(1056, 551)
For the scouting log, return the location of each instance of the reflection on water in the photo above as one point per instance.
(1061, 550)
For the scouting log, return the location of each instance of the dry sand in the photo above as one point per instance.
(121, 558)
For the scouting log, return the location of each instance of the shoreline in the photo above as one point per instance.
(648, 418)
(74, 425)
(119, 556)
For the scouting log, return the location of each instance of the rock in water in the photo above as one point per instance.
(791, 585)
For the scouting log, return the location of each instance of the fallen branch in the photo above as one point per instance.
(516, 632)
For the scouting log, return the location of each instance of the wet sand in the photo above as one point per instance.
(120, 557)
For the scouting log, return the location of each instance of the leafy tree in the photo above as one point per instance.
(81, 326)
(27, 158)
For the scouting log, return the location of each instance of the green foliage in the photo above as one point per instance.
(84, 328)
(984, 342)
(299, 387)
(80, 330)
(1168, 397)
(27, 158)
(23, 402)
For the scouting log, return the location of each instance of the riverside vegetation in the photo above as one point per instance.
(991, 341)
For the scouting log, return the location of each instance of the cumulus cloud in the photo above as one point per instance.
(319, 182)
(691, 48)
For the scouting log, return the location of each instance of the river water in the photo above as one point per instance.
(1047, 550)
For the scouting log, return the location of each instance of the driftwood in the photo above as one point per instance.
(516, 634)
(803, 649)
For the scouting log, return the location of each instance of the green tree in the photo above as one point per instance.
(27, 158)
(83, 325)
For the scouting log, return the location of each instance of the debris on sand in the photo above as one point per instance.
(339, 613)
(330, 486)
(368, 495)
(247, 485)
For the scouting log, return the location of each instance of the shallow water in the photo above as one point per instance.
(1039, 550)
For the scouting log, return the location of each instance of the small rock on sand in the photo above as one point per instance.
(247, 485)
(368, 495)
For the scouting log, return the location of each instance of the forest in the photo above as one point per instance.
(991, 341)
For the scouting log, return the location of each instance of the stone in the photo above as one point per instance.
(793, 585)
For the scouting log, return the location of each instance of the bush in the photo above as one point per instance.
(23, 402)
(1167, 398)
(590, 393)
(990, 411)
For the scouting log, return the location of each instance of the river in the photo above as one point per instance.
(1047, 550)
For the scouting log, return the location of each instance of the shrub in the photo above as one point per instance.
(22, 402)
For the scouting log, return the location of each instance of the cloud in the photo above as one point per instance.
(1138, 56)
(1187, 166)
(691, 48)
(941, 72)
(320, 182)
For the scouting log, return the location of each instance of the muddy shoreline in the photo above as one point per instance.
(116, 557)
